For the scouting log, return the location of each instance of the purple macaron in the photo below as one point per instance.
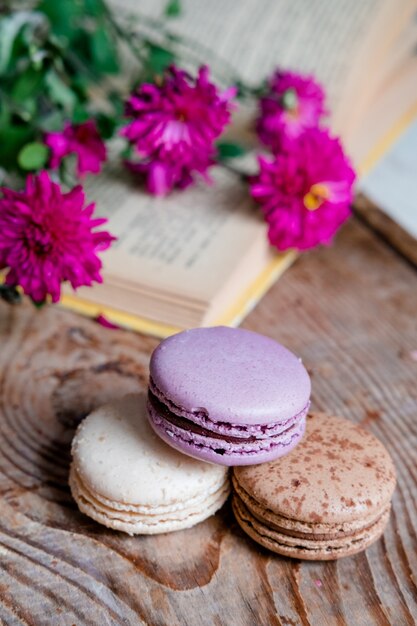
(227, 395)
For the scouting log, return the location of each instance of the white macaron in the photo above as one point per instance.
(125, 477)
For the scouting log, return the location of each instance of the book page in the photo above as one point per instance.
(255, 36)
(394, 100)
(392, 185)
(185, 245)
(394, 108)
(379, 52)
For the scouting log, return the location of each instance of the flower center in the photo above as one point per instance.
(38, 241)
(82, 134)
(319, 193)
(289, 101)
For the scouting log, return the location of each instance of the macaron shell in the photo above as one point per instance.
(310, 550)
(118, 456)
(133, 522)
(299, 528)
(234, 375)
(340, 473)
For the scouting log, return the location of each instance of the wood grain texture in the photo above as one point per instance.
(350, 312)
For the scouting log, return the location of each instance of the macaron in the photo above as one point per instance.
(327, 499)
(123, 476)
(227, 395)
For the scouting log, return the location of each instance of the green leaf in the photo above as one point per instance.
(59, 91)
(28, 109)
(104, 52)
(250, 91)
(229, 150)
(95, 8)
(64, 16)
(117, 102)
(12, 139)
(10, 28)
(173, 8)
(33, 156)
(80, 85)
(80, 114)
(159, 58)
(106, 125)
(26, 85)
(5, 114)
(79, 53)
(127, 151)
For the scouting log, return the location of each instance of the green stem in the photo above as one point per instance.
(78, 65)
(65, 175)
(124, 35)
(194, 50)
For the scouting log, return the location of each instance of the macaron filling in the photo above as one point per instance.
(196, 427)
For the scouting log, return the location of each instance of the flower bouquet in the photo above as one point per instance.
(66, 93)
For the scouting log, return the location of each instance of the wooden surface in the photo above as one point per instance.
(350, 312)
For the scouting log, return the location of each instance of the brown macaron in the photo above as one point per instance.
(328, 498)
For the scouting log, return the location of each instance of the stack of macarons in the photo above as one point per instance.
(221, 397)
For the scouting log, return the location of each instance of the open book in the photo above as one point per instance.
(192, 259)
(202, 257)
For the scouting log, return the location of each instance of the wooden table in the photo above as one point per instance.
(350, 312)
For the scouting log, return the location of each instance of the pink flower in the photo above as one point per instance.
(46, 238)
(305, 192)
(81, 139)
(174, 126)
(293, 104)
(103, 321)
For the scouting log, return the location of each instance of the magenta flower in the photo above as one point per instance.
(103, 321)
(305, 192)
(174, 126)
(292, 104)
(82, 140)
(48, 237)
